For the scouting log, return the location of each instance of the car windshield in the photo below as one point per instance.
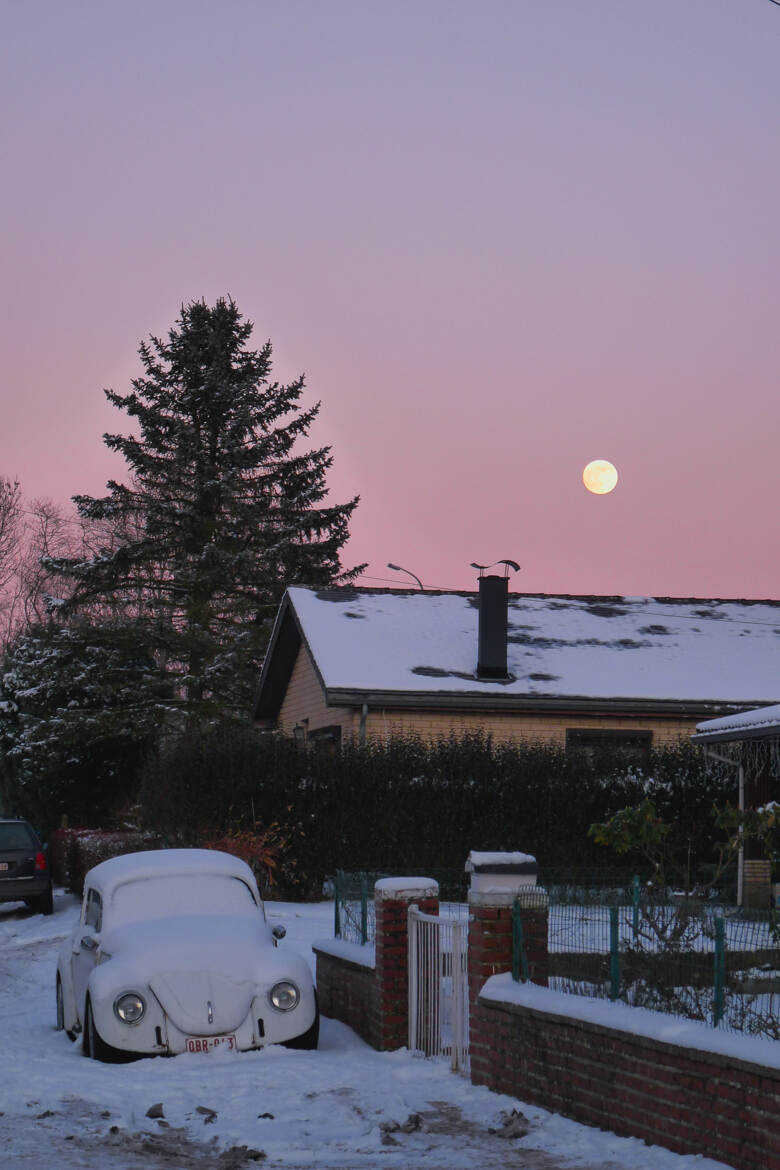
(172, 895)
(15, 836)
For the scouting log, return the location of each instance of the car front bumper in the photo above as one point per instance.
(157, 1035)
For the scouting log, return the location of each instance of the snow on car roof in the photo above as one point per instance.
(154, 863)
(649, 648)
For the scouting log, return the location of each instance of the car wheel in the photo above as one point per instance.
(43, 904)
(311, 1037)
(94, 1046)
(61, 1011)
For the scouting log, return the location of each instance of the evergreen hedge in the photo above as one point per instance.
(407, 805)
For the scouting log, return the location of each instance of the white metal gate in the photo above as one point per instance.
(438, 987)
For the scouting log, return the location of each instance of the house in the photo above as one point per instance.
(749, 744)
(636, 671)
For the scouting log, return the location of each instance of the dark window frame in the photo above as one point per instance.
(326, 739)
(93, 910)
(636, 743)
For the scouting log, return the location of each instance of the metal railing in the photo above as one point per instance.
(438, 987)
(354, 918)
(353, 900)
(704, 961)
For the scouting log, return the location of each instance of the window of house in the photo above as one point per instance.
(326, 739)
(301, 731)
(633, 746)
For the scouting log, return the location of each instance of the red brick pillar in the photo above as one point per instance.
(498, 881)
(392, 899)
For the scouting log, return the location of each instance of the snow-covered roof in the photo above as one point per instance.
(477, 861)
(762, 721)
(394, 645)
(163, 862)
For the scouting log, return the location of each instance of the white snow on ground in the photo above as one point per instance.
(344, 1107)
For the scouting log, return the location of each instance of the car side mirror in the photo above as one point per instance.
(279, 932)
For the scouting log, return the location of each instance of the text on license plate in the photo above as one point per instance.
(206, 1043)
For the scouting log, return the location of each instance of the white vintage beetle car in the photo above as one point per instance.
(172, 953)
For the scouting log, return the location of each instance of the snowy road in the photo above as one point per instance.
(344, 1107)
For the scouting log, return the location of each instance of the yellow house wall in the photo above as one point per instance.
(305, 701)
(512, 726)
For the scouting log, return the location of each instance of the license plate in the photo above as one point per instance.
(207, 1043)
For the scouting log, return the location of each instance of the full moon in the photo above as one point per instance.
(600, 477)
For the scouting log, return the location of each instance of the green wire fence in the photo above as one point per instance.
(704, 961)
(612, 936)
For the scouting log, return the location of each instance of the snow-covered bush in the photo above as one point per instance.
(88, 847)
(404, 803)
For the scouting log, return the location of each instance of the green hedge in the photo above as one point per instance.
(408, 805)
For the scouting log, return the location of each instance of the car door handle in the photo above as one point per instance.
(89, 943)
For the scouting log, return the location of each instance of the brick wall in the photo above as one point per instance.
(349, 992)
(374, 1000)
(691, 1101)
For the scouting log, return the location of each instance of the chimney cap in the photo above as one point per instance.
(507, 563)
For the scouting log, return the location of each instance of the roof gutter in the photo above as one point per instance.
(575, 704)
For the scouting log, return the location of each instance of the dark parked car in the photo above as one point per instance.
(24, 866)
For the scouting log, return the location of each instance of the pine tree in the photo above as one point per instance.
(221, 512)
(78, 712)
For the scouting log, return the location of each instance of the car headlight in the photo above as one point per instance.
(284, 996)
(129, 1008)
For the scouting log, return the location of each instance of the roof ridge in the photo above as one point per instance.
(613, 598)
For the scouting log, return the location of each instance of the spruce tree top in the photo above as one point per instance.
(223, 509)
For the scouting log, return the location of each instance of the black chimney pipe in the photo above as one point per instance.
(493, 608)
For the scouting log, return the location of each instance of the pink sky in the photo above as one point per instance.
(501, 238)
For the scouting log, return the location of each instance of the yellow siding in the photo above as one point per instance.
(305, 700)
(432, 724)
(305, 704)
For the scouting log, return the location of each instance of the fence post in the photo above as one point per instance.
(719, 989)
(614, 953)
(392, 897)
(635, 902)
(519, 953)
(337, 906)
(363, 911)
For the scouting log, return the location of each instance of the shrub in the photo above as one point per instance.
(406, 804)
(264, 850)
(88, 847)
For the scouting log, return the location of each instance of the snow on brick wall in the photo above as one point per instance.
(350, 993)
(692, 1102)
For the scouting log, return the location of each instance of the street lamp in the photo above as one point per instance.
(398, 569)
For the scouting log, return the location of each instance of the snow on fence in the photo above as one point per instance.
(616, 941)
(353, 901)
(703, 962)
